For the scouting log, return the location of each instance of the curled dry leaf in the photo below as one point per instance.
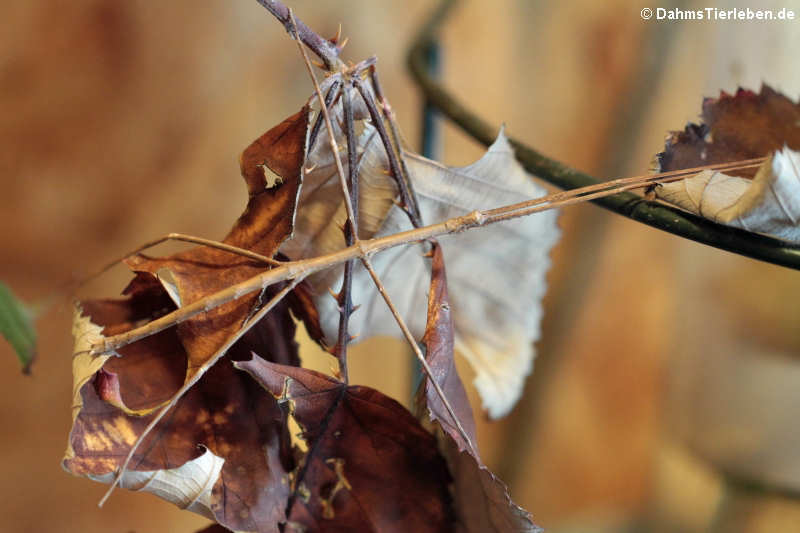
(229, 416)
(369, 467)
(481, 500)
(769, 203)
(497, 272)
(189, 486)
(439, 345)
(738, 127)
(226, 414)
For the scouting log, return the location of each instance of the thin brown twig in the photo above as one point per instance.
(199, 373)
(363, 248)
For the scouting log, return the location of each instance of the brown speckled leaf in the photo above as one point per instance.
(370, 466)
(226, 418)
(481, 500)
(735, 127)
(738, 127)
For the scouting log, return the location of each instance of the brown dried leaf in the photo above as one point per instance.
(439, 342)
(743, 126)
(481, 500)
(735, 127)
(265, 224)
(226, 416)
(370, 466)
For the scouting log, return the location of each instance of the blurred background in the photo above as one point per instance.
(668, 375)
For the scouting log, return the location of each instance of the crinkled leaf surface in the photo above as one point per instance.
(226, 413)
(16, 326)
(481, 500)
(737, 127)
(497, 273)
(369, 467)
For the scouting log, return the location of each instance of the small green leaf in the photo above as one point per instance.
(16, 325)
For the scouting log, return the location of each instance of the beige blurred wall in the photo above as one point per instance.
(124, 121)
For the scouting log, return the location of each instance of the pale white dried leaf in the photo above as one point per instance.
(769, 203)
(188, 486)
(496, 274)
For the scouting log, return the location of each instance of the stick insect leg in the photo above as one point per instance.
(409, 201)
(344, 298)
(388, 112)
(183, 238)
(330, 100)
